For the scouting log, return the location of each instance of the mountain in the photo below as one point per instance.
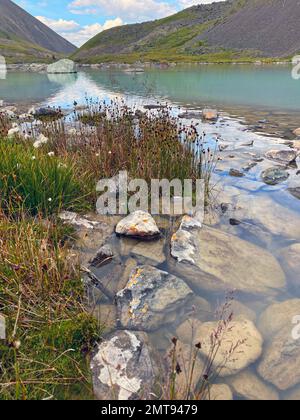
(221, 31)
(23, 37)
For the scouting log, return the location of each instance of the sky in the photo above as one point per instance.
(80, 20)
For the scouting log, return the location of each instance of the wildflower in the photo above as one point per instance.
(33, 158)
(40, 141)
(50, 200)
(51, 154)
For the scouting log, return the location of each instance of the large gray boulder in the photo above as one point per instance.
(149, 298)
(215, 260)
(124, 367)
(239, 345)
(280, 363)
(62, 66)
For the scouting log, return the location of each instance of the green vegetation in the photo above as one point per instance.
(37, 182)
(49, 333)
(50, 329)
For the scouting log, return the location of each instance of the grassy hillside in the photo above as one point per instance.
(175, 36)
(235, 30)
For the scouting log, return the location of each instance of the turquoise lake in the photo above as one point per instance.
(268, 87)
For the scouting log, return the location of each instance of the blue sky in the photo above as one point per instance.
(79, 20)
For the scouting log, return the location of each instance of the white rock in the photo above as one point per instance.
(62, 66)
(124, 367)
(76, 220)
(138, 224)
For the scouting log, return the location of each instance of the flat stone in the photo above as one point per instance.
(269, 215)
(284, 156)
(236, 173)
(218, 392)
(149, 297)
(240, 345)
(62, 66)
(138, 225)
(248, 386)
(104, 254)
(274, 176)
(277, 316)
(290, 261)
(153, 251)
(76, 220)
(280, 363)
(123, 367)
(2, 328)
(216, 260)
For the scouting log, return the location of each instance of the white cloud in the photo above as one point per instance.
(128, 10)
(76, 34)
(60, 24)
(89, 31)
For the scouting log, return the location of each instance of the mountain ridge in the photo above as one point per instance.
(229, 30)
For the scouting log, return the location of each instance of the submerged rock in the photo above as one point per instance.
(138, 225)
(62, 66)
(277, 316)
(274, 176)
(2, 328)
(295, 192)
(240, 345)
(290, 258)
(216, 260)
(280, 363)
(284, 156)
(124, 367)
(236, 173)
(210, 114)
(218, 392)
(297, 132)
(188, 331)
(269, 215)
(152, 251)
(192, 368)
(47, 113)
(149, 297)
(104, 254)
(248, 386)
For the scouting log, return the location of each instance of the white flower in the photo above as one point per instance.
(33, 158)
(40, 141)
(49, 199)
(97, 154)
(51, 154)
(13, 131)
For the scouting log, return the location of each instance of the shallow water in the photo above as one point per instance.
(269, 215)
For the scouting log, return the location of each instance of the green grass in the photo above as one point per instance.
(49, 331)
(32, 181)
